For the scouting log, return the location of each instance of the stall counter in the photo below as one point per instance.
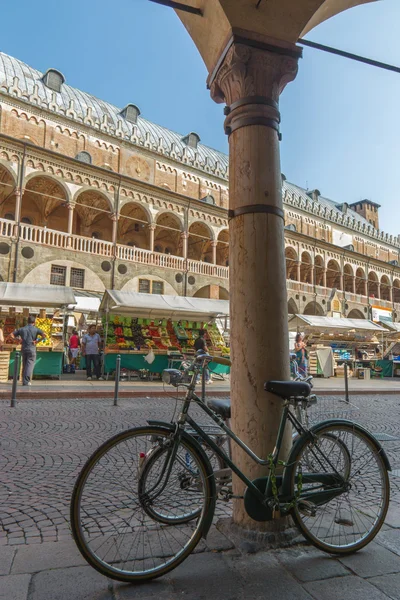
(47, 363)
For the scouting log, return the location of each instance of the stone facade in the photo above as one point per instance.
(98, 197)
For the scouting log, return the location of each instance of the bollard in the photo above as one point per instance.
(117, 378)
(346, 382)
(203, 384)
(17, 362)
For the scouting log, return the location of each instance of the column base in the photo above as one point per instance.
(250, 541)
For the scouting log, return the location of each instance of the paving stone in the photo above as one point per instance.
(217, 541)
(158, 588)
(264, 578)
(388, 584)
(206, 576)
(344, 588)
(75, 583)
(6, 558)
(49, 555)
(372, 561)
(393, 516)
(390, 539)
(309, 564)
(14, 587)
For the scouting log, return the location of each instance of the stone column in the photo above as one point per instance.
(354, 284)
(341, 281)
(152, 229)
(114, 219)
(18, 205)
(250, 81)
(298, 270)
(71, 210)
(324, 277)
(214, 245)
(312, 277)
(185, 239)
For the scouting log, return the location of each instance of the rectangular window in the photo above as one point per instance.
(158, 287)
(77, 279)
(144, 286)
(58, 275)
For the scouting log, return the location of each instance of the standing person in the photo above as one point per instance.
(29, 336)
(91, 343)
(74, 347)
(301, 354)
(201, 344)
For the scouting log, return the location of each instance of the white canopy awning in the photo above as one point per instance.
(29, 295)
(86, 304)
(391, 326)
(156, 305)
(299, 322)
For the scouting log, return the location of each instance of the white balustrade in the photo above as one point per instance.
(6, 227)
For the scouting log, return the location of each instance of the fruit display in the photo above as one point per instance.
(162, 336)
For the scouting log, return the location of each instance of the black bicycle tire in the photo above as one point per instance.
(298, 522)
(80, 481)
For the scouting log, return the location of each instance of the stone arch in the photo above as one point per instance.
(319, 268)
(41, 274)
(223, 248)
(313, 308)
(355, 313)
(52, 177)
(291, 263)
(348, 274)
(93, 212)
(205, 292)
(333, 274)
(133, 226)
(361, 284)
(88, 188)
(168, 234)
(44, 202)
(8, 184)
(292, 307)
(200, 240)
(373, 285)
(306, 268)
(396, 290)
(385, 288)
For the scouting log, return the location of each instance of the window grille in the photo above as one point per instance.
(158, 287)
(77, 279)
(58, 275)
(144, 286)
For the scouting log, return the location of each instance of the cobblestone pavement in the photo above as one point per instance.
(43, 445)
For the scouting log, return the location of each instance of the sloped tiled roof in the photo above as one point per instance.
(32, 88)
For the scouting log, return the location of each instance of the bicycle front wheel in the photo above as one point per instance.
(344, 485)
(133, 528)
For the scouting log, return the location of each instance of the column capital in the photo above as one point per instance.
(114, 217)
(152, 226)
(185, 235)
(250, 81)
(71, 205)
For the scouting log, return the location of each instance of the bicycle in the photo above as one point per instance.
(135, 519)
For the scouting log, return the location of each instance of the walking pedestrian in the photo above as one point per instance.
(74, 347)
(91, 343)
(29, 336)
(301, 354)
(201, 344)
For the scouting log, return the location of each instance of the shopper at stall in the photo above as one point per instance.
(201, 344)
(91, 343)
(74, 347)
(29, 336)
(301, 354)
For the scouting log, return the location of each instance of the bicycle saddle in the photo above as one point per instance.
(288, 389)
(221, 406)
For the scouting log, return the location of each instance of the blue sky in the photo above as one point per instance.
(340, 119)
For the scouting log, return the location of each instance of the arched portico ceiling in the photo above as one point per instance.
(45, 193)
(282, 20)
(7, 183)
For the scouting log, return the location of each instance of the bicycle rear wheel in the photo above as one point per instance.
(345, 463)
(111, 523)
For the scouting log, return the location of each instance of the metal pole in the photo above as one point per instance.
(117, 377)
(346, 383)
(203, 384)
(17, 362)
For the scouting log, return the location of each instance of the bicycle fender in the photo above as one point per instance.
(210, 472)
(315, 429)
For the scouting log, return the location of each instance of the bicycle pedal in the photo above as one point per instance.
(276, 513)
(307, 508)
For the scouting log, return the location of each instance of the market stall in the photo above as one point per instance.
(391, 358)
(136, 325)
(17, 301)
(332, 341)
